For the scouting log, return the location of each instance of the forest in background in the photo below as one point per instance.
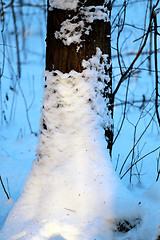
(135, 154)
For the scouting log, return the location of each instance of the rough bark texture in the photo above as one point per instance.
(66, 58)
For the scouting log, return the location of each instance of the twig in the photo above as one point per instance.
(139, 161)
(136, 144)
(70, 210)
(26, 107)
(124, 114)
(117, 163)
(9, 4)
(17, 42)
(118, 37)
(4, 188)
(8, 188)
(150, 43)
(158, 170)
(156, 66)
(125, 74)
(33, 95)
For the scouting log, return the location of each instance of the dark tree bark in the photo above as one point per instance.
(66, 58)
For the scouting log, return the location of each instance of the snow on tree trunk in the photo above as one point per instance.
(74, 31)
(72, 190)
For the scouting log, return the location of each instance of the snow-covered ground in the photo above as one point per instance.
(91, 205)
(72, 189)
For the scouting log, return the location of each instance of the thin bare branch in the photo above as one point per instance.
(136, 144)
(17, 42)
(156, 66)
(125, 74)
(4, 188)
(139, 161)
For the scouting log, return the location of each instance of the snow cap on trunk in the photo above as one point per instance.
(64, 4)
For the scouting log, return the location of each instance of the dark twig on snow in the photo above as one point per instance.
(158, 170)
(4, 187)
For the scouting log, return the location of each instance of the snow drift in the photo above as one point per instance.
(72, 191)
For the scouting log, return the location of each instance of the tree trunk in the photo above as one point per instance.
(63, 57)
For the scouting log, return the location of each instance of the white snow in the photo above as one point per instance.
(92, 13)
(72, 191)
(70, 32)
(71, 29)
(64, 4)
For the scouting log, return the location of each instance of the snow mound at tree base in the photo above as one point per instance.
(72, 191)
(99, 228)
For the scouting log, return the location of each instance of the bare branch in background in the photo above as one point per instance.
(139, 161)
(120, 172)
(124, 113)
(156, 66)
(150, 43)
(9, 4)
(125, 74)
(17, 42)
